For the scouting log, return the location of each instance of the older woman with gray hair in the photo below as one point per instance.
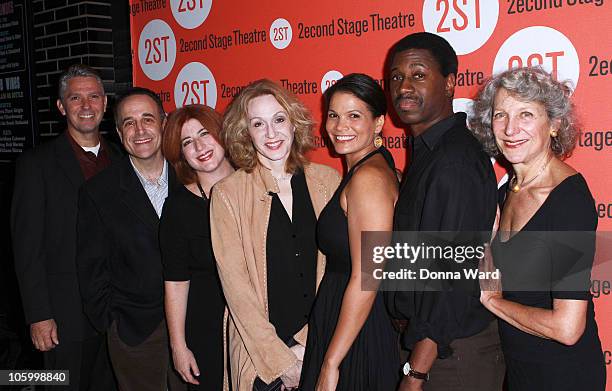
(548, 330)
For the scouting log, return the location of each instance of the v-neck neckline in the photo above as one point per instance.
(539, 210)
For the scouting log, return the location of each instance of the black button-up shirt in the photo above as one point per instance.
(449, 185)
(291, 258)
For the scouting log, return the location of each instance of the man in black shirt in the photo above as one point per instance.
(449, 185)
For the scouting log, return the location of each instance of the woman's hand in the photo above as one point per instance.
(185, 364)
(299, 351)
(291, 378)
(328, 378)
(489, 287)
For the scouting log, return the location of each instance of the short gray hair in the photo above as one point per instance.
(76, 70)
(529, 85)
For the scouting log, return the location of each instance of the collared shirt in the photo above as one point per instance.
(157, 190)
(449, 185)
(90, 163)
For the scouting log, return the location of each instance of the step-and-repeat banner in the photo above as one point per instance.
(206, 51)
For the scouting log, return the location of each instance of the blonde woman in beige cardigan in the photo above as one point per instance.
(263, 220)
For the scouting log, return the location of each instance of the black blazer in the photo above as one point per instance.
(43, 226)
(118, 256)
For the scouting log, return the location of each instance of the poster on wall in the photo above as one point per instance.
(16, 99)
(206, 51)
(188, 52)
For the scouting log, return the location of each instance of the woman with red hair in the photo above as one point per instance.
(194, 300)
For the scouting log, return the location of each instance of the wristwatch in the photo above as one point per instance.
(408, 371)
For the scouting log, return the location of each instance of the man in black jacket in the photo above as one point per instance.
(449, 186)
(118, 256)
(43, 224)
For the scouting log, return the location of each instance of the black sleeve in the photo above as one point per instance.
(28, 234)
(173, 244)
(459, 199)
(573, 243)
(93, 262)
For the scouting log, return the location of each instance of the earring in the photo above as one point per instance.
(553, 133)
(378, 141)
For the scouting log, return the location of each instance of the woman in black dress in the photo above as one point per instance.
(545, 244)
(351, 342)
(193, 297)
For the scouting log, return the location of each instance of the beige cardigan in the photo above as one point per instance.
(239, 212)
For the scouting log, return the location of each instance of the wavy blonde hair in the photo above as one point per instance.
(235, 132)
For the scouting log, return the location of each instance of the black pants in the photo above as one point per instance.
(88, 364)
(144, 367)
(477, 364)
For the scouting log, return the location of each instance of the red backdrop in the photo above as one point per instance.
(204, 51)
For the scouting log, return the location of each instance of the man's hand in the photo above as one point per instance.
(44, 335)
(410, 383)
(186, 365)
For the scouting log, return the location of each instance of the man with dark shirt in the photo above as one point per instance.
(449, 185)
(43, 222)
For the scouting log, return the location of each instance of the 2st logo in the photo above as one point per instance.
(194, 92)
(539, 46)
(461, 21)
(280, 33)
(329, 79)
(195, 84)
(190, 5)
(465, 24)
(156, 49)
(190, 13)
(537, 59)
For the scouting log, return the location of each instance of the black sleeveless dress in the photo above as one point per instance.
(372, 363)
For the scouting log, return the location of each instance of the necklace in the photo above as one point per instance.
(201, 190)
(515, 187)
